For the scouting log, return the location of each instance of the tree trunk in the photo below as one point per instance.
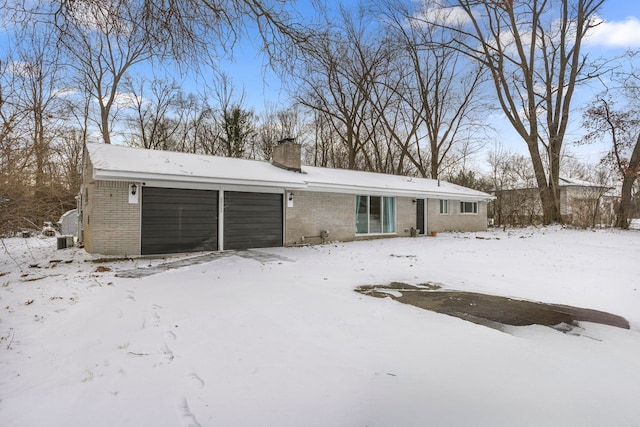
(555, 214)
(630, 175)
(435, 155)
(624, 209)
(104, 121)
(547, 190)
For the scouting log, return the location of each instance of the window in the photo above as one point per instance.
(444, 207)
(468, 207)
(375, 215)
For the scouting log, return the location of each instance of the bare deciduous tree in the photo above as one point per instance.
(103, 41)
(14, 158)
(623, 127)
(276, 125)
(533, 51)
(235, 122)
(337, 74)
(512, 179)
(33, 112)
(156, 118)
(438, 88)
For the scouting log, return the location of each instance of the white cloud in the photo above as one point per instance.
(66, 91)
(125, 100)
(103, 16)
(620, 34)
(441, 14)
(22, 69)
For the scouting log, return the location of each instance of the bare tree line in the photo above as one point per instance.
(390, 86)
(67, 79)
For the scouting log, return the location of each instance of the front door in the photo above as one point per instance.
(420, 216)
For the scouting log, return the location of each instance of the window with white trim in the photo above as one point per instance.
(375, 215)
(444, 207)
(468, 207)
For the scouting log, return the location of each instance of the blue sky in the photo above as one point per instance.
(619, 31)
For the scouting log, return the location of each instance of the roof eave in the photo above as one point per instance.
(133, 176)
(355, 189)
(109, 175)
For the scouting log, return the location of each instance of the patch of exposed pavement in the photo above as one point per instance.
(491, 310)
(259, 256)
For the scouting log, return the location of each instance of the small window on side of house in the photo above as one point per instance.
(444, 207)
(469, 208)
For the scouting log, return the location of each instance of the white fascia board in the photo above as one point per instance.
(182, 180)
(463, 197)
(187, 181)
(378, 191)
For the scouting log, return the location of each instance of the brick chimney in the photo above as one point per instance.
(286, 155)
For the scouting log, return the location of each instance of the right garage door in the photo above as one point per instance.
(252, 220)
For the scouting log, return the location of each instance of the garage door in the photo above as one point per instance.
(178, 220)
(252, 220)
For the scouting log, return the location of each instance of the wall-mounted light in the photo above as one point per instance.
(291, 197)
(134, 189)
(414, 201)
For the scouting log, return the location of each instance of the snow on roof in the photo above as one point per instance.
(350, 181)
(119, 163)
(563, 181)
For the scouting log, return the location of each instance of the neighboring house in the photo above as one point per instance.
(582, 203)
(140, 202)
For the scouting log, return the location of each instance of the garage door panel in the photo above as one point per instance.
(187, 202)
(181, 235)
(162, 220)
(252, 220)
(178, 220)
(169, 210)
(259, 222)
(179, 247)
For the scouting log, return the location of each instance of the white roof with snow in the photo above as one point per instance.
(567, 182)
(119, 163)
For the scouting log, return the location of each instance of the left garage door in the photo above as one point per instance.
(178, 220)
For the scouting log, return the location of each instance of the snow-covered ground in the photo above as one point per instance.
(283, 340)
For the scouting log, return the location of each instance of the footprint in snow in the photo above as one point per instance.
(185, 414)
(170, 335)
(167, 354)
(155, 318)
(196, 380)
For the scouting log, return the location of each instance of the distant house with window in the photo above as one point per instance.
(144, 202)
(582, 203)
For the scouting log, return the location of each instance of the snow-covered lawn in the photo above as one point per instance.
(283, 340)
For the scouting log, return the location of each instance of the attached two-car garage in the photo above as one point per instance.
(189, 220)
